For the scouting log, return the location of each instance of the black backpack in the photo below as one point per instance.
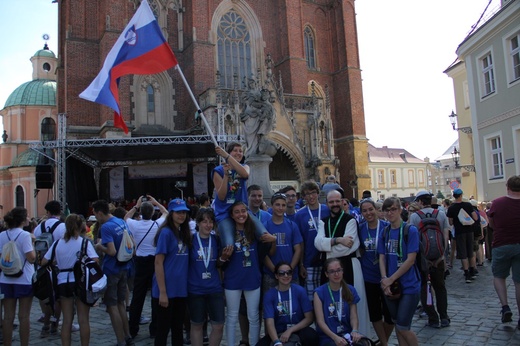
(431, 237)
(45, 281)
(90, 281)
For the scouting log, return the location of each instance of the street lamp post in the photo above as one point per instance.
(453, 120)
(455, 154)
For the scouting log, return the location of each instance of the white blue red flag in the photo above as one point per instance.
(141, 49)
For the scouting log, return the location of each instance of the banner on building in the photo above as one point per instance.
(117, 183)
(200, 179)
(174, 170)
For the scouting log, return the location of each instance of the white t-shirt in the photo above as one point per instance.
(25, 245)
(58, 233)
(138, 228)
(67, 255)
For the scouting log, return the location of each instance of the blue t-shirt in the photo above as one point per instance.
(222, 207)
(243, 269)
(287, 235)
(330, 312)
(261, 215)
(201, 280)
(370, 259)
(309, 229)
(176, 261)
(396, 249)
(112, 232)
(279, 307)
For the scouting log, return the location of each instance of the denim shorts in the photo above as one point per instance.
(403, 309)
(16, 290)
(202, 305)
(505, 258)
(116, 288)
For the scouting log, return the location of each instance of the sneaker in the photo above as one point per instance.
(433, 325)
(423, 314)
(205, 340)
(45, 331)
(75, 327)
(54, 328)
(445, 323)
(129, 341)
(187, 341)
(144, 320)
(468, 279)
(507, 314)
(42, 318)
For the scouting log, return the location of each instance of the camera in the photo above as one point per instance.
(144, 199)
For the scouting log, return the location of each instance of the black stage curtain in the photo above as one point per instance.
(81, 186)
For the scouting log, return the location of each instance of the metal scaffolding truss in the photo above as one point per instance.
(85, 151)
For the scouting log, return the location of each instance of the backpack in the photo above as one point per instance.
(11, 261)
(431, 236)
(125, 253)
(88, 275)
(43, 242)
(45, 281)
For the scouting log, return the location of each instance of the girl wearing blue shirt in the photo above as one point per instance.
(335, 307)
(242, 274)
(169, 292)
(205, 293)
(397, 252)
(369, 233)
(287, 311)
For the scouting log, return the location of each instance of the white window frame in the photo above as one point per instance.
(487, 72)
(512, 57)
(393, 176)
(381, 177)
(494, 157)
(516, 147)
(411, 178)
(420, 176)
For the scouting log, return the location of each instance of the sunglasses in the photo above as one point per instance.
(285, 273)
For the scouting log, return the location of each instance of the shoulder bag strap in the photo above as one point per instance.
(137, 247)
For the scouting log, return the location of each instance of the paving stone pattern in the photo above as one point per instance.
(474, 310)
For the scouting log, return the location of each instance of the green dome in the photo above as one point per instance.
(31, 158)
(45, 53)
(40, 92)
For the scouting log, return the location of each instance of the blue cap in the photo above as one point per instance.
(177, 204)
(457, 192)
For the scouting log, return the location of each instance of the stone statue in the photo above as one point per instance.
(258, 116)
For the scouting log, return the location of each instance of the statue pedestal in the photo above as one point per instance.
(259, 174)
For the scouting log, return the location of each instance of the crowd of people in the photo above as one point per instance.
(316, 273)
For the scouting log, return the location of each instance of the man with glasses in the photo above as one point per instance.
(288, 241)
(307, 219)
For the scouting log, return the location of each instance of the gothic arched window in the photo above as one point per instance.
(150, 99)
(48, 129)
(310, 53)
(233, 49)
(19, 196)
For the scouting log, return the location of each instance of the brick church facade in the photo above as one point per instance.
(305, 52)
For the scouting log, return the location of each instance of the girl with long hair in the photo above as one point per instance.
(205, 293)
(66, 255)
(397, 249)
(369, 233)
(169, 292)
(335, 307)
(287, 311)
(242, 273)
(17, 289)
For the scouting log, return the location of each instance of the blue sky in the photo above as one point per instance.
(405, 45)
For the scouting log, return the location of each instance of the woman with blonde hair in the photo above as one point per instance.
(17, 288)
(66, 252)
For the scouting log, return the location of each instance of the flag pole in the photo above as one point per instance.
(197, 105)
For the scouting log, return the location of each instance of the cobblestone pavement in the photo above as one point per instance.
(474, 310)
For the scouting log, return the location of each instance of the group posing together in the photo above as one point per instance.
(315, 265)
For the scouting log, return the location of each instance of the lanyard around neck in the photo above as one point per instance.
(339, 308)
(205, 258)
(377, 232)
(336, 225)
(312, 217)
(290, 304)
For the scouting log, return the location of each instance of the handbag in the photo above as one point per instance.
(464, 218)
(395, 288)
